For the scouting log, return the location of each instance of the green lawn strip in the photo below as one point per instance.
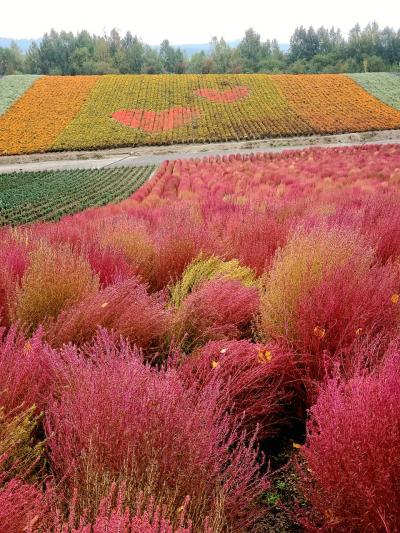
(12, 87)
(383, 85)
(27, 197)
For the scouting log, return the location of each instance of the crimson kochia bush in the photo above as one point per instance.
(352, 451)
(118, 420)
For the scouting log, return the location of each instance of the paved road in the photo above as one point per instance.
(156, 155)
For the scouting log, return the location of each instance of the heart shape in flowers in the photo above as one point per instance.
(226, 97)
(155, 121)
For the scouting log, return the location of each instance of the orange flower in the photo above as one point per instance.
(214, 364)
(395, 298)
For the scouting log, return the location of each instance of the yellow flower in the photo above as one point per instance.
(296, 445)
(395, 298)
(319, 332)
(214, 364)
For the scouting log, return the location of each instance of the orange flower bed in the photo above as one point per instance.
(333, 103)
(42, 113)
(153, 121)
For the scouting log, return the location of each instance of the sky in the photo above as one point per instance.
(190, 21)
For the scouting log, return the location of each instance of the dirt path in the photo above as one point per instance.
(154, 155)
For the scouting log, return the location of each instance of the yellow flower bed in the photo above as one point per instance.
(263, 113)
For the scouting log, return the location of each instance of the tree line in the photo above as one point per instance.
(370, 49)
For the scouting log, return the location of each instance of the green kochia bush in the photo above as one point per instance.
(206, 268)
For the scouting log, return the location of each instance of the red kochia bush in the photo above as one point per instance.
(216, 309)
(179, 235)
(119, 420)
(113, 517)
(125, 307)
(13, 263)
(345, 307)
(110, 265)
(253, 238)
(259, 379)
(23, 507)
(352, 451)
(26, 371)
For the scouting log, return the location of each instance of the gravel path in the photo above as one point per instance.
(155, 155)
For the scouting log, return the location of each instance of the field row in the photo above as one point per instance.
(49, 195)
(89, 112)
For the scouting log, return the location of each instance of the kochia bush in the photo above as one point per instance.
(26, 371)
(216, 309)
(260, 380)
(208, 268)
(124, 307)
(119, 420)
(308, 257)
(352, 451)
(55, 279)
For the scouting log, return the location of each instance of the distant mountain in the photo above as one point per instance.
(188, 49)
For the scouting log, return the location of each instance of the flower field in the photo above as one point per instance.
(219, 352)
(35, 120)
(383, 85)
(12, 87)
(334, 104)
(91, 112)
(48, 195)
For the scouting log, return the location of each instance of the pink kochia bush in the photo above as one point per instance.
(27, 371)
(216, 309)
(23, 507)
(13, 263)
(260, 380)
(113, 517)
(124, 307)
(352, 451)
(118, 420)
(345, 307)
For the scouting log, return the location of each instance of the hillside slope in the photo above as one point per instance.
(89, 112)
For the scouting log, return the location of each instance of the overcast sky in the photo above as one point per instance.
(190, 21)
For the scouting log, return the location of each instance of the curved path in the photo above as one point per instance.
(155, 155)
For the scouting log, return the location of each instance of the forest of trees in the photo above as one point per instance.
(323, 50)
